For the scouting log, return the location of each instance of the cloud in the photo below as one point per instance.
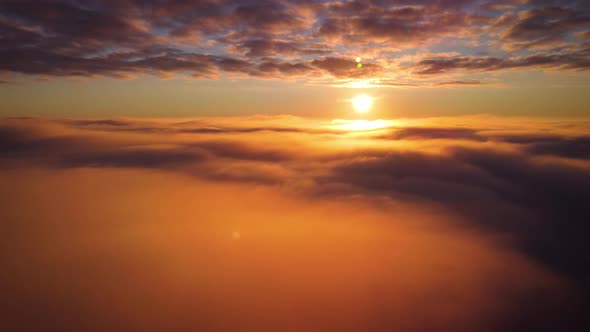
(574, 60)
(524, 189)
(268, 47)
(143, 251)
(545, 27)
(131, 158)
(578, 147)
(287, 39)
(551, 144)
(364, 23)
(435, 133)
(341, 67)
(473, 169)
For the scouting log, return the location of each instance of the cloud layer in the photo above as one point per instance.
(496, 205)
(531, 175)
(400, 42)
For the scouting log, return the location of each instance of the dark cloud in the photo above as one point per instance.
(267, 47)
(58, 20)
(425, 83)
(554, 195)
(190, 127)
(105, 122)
(283, 69)
(364, 23)
(576, 60)
(436, 133)
(545, 27)
(542, 204)
(21, 143)
(279, 39)
(577, 147)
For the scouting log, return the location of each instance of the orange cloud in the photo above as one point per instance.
(429, 224)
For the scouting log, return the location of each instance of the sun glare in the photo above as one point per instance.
(360, 125)
(362, 103)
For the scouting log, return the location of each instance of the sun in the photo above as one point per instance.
(362, 103)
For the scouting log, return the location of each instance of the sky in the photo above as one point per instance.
(200, 58)
(296, 166)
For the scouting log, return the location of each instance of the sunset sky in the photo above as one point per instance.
(193, 58)
(294, 166)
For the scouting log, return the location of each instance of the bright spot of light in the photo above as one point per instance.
(358, 59)
(360, 125)
(236, 235)
(358, 84)
(362, 103)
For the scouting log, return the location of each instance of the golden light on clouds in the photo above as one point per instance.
(361, 125)
(234, 224)
(295, 166)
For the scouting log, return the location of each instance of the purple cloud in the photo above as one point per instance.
(285, 39)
